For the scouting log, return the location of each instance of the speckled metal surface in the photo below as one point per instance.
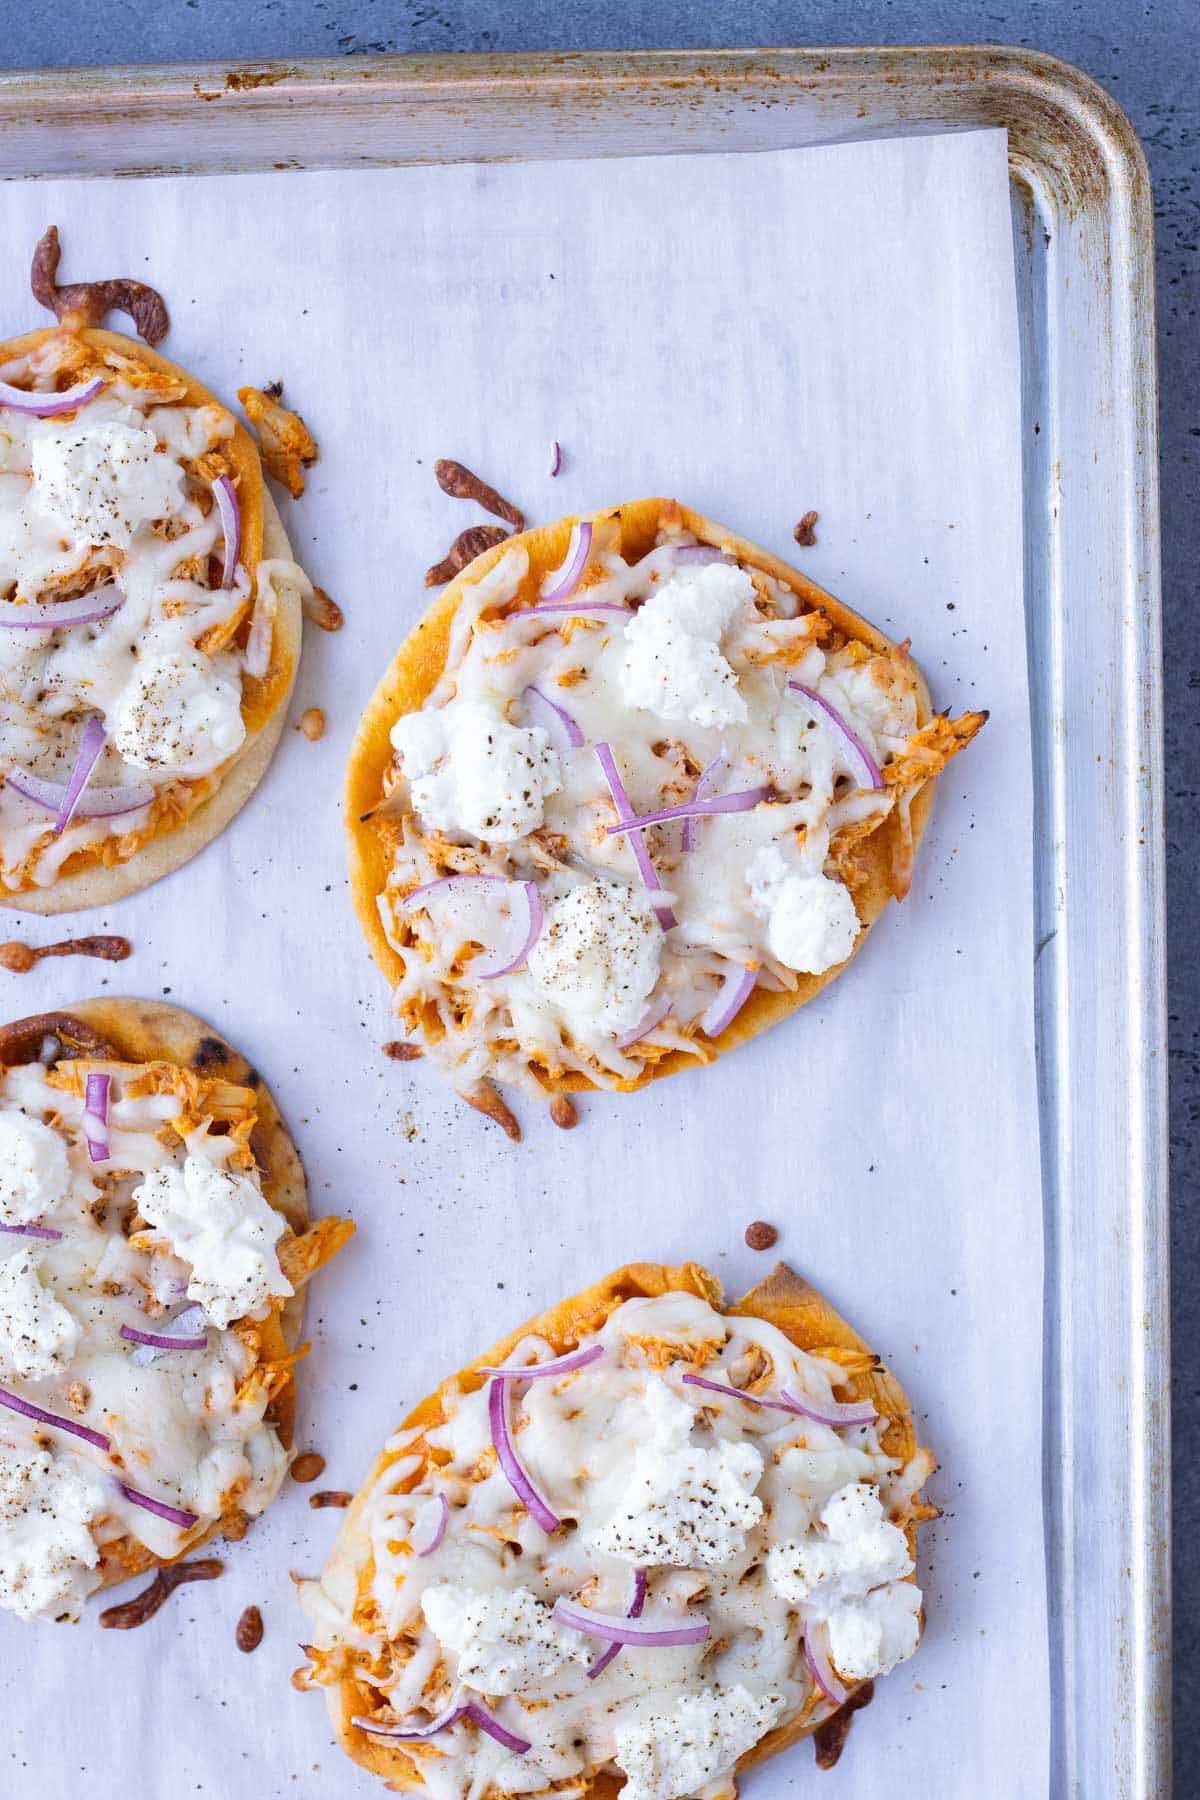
(1147, 55)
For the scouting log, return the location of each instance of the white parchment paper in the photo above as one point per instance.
(833, 329)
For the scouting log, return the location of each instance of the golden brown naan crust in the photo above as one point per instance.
(89, 882)
(417, 667)
(783, 1298)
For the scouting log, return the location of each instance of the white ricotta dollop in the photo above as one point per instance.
(669, 1754)
(48, 1555)
(811, 921)
(470, 770)
(681, 1503)
(673, 664)
(34, 1172)
(503, 1641)
(860, 1550)
(868, 1637)
(37, 1334)
(103, 479)
(180, 713)
(219, 1223)
(597, 958)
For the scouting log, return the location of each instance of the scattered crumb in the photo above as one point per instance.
(249, 1630)
(312, 723)
(804, 533)
(308, 1466)
(760, 1235)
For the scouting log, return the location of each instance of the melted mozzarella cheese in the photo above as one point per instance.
(698, 1490)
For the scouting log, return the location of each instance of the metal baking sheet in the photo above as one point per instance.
(1082, 223)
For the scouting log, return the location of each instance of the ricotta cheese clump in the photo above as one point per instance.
(680, 1503)
(503, 1641)
(48, 1557)
(103, 480)
(470, 770)
(37, 1334)
(673, 664)
(181, 713)
(597, 958)
(811, 921)
(34, 1171)
(220, 1224)
(669, 1754)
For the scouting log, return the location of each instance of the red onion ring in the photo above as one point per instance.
(563, 581)
(697, 553)
(627, 1630)
(428, 887)
(562, 729)
(870, 775)
(559, 1365)
(737, 985)
(576, 608)
(453, 1713)
(722, 1387)
(48, 406)
(502, 1438)
(429, 1526)
(635, 1612)
(831, 1412)
(51, 615)
(641, 855)
(655, 1016)
(816, 1655)
(91, 748)
(173, 1514)
(745, 800)
(480, 1716)
(158, 1341)
(33, 1231)
(15, 1404)
(526, 919)
(99, 803)
(95, 1116)
(226, 498)
(707, 778)
(555, 458)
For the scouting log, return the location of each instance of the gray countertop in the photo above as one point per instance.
(1148, 55)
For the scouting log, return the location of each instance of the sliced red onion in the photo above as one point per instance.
(173, 1514)
(737, 985)
(745, 800)
(96, 803)
(723, 1387)
(429, 1526)
(445, 881)
(256, 659)
(559, 725)
(50, 615)
(704, 786)
(453, 1713)
(95, 1116)
(697, 553)
(566, 578)
(628, 1630)
(555, 458)
(48, 406)
(480, 1716)
(526, 917)
(189, 1323)
(816, 1655)
(559, 1365)
(857, 754)
(160, 1341)
(226, 498)
(646, 869)
(502, 1437)
(33, 1231)
(831, 1412)
(655, 1016)
(575, 607)
(635, 1612)
(91, 748)
(15, 1404)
